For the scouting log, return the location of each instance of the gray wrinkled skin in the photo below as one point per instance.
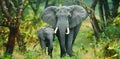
(46, 36)
(62, 18)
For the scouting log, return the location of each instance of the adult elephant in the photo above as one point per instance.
(66, 21)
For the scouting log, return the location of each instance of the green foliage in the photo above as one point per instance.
(85, 44)
(30, 24)
(7, 56)
(113, 30)
(3, 35)
(109, 41)
(31, 54)
(111, 49)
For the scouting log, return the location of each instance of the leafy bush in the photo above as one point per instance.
(112, 31)
(31, 54)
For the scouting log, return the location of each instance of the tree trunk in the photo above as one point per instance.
(94, 20)
(107, 12)
(115, 8)
(19, 38)
(21, 43)
(46, 3)
(95, 25)
(11, 40)
(12, 23)
(107, 9)
(101, 14)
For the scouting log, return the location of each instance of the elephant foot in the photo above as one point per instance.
(50, 55)
(63, 55)
(71, 55)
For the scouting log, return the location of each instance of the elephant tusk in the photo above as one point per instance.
(68, 31)
(69, 14)
(56, 30)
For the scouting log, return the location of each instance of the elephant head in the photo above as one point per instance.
(64, 17)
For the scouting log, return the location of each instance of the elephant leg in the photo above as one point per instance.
(43, 45)
(69, 43)
(76, 30)
(50, 51)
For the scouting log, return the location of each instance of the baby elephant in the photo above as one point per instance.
(46, 36)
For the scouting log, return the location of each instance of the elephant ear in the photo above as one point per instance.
(49, 15)
(78, 14)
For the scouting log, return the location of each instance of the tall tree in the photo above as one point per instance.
(104, 14)
(94, 21)
(115, 8)
(11, 18)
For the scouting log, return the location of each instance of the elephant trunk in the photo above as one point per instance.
(62, 28)
(50, 37)
(50, 46)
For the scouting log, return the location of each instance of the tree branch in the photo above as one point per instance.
(94, 4)
(115, 8)
(94, 20)
(13, 7)
(107, 9)
(19, 12)
(101, 13)
(5, 9)
(5, 23)
(34, 9)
